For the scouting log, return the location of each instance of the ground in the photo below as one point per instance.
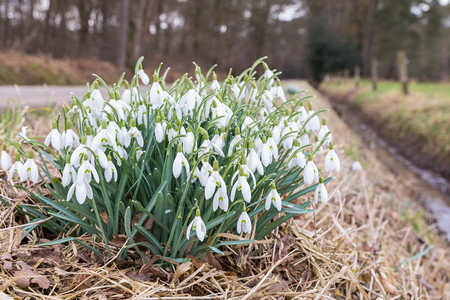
(371, 241)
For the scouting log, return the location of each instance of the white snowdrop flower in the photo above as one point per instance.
(273, 198)
(102, 159)
(263, 114)
(310, 173)
(198, 226)
(142, 114)
(241, 185)
(23, 133)
(276, 133)
(278, 92)
(318, 146)
(123, 137)
(356, 166)
(29, 170)
(143, 76)
(220, 200)
(189, 101)
(269, 150)
(236, 90)
(244, 223)
(215, 85)
(110, 171)
(321, 192)
(103, 139)
(5, 160)
(258, 144)
(78, 154)
(195, 175)
(219, 138)
(139, 153)
(250, 124)
(323, 132)
(220, 113)
(69, 174)
(112, 127)
(54, 138)
(82, 187)
(16, 166)
(247, 171)
(268, 101)
(208, 146)
(205, 172)
(236, 142)
(86, 171)
(298, 158)
(119, 106)
(156, 95)
(268, 74)
(304, 140)
(180, 162)
(126, 95)
(188, 141)
(159, 130)
(288, 134)
(97, 101)
(302, 116)
(253, 161)
(136, 133)
(332, 162)
(171, 133)
(215, 181)
(314, 123)
(69, 137)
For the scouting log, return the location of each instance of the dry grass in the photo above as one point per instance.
(361, 245)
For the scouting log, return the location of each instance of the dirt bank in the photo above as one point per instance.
(418, 148)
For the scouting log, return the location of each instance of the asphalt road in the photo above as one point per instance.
(37, 96)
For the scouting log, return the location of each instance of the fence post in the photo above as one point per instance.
(374, 73)
(357, 75)
(402, 64)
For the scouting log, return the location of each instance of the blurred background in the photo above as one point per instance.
(62, 42)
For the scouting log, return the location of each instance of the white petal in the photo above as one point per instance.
(80, 192)
(210, 187)
(246, 191)
(176, 168)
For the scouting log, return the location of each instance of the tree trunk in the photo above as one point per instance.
(123, 35)
(368, 42)
(84, 10)
(139, 29)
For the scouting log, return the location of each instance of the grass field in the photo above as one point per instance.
(420, 120)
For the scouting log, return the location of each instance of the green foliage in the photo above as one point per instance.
(329, 52)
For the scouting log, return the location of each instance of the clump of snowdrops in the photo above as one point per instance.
(173, 169)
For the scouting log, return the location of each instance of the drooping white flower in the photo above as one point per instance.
(241, 185)
(236, 142)
(126, 95)
(29, 170)
(87, 171)
(298, 159)
(156, 95)
(110, 170)
(143, 76)
(70, 138)
(198, 226)
(321, 192)
(247, 171)
(302, 116)
(244, 223)
(23, 133)
(332, 162)
(69, 174)
(273, 198)
(16, 166)
(81, 187)
(5, 160)
(314, 123)
(215, 85)
(318, 146)
(215, 181)
(189, 101)
(253, 161)
(136, 133)
(278, 92)
(208, 146)
(159, 130)
(310, 173)
(180, 162)
(250, 124)
(323, 132)
(188, 141)
(220, 200)
(288, 134)
(268, 74)
(54, 138)
(205, 172)
(97, 102)
(103, 139)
